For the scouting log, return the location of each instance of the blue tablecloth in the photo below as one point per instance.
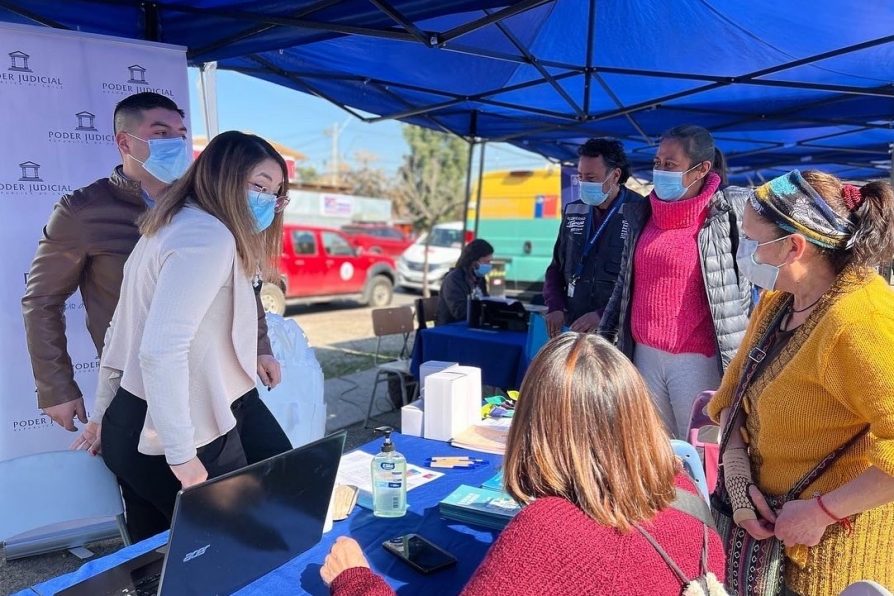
(302, 574)
(499, 354)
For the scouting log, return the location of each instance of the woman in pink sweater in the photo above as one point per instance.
(587, 444)
(680, 308)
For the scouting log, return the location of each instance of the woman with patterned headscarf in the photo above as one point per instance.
(807, 404)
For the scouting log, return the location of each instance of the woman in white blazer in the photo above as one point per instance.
(176, 400)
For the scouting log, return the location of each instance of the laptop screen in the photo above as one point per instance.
(236, 528)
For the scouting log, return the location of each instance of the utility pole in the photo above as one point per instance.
(335, 132)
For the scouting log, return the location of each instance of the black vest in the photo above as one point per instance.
(594, 288)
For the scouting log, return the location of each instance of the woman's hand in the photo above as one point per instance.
(345, 554)
(269, 371)
(89, 439)
(554, 321)
(762, 527)
(190, 472)
(802, 522)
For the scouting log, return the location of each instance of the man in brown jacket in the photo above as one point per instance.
(89, 236)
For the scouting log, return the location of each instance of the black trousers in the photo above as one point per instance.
(147, 483)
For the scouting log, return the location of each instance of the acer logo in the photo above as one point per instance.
(196, 553)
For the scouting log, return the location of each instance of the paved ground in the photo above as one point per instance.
(342, 335)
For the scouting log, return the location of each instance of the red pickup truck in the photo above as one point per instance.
(320, 265)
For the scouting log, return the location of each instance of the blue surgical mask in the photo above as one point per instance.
(591, 193)
(482, 269)
(669, 185)
(168, 158)
(263, 208)
(763, 275)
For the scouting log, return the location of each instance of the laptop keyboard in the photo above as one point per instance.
(145, 586)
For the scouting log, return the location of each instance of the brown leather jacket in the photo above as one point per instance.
(89, 236)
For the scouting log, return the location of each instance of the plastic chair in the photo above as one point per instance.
(392, 321)
(426, 311)
(57, 487)
(693, 465)
(866, 588)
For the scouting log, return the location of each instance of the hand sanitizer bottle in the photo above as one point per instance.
(389, 480)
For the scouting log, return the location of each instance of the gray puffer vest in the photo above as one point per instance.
(729, 294)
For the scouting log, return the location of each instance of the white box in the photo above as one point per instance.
(429, 368)
(411, 417)
(452, 403)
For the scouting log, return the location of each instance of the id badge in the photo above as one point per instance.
(571, 289)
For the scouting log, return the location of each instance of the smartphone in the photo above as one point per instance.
(419, 553)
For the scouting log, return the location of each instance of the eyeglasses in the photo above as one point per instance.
(282, 201)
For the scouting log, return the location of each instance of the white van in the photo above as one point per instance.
(443, 251)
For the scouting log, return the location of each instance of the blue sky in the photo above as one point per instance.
(300, 121)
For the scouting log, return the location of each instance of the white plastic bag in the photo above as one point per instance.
(297, 403)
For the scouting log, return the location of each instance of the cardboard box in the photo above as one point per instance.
(411, 419)
(452, 402)
(429, 368)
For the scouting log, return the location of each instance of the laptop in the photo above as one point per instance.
(233, 529)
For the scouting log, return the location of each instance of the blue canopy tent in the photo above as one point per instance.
(777, 82)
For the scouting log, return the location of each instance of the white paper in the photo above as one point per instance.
(356, 468)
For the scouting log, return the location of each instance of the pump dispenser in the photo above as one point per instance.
(389, 479)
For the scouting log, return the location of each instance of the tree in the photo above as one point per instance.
(307, 174)
(367, 180)
(431, 183)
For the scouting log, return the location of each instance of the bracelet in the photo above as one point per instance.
(842, 521)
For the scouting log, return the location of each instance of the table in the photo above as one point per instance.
(499, 354)
(302, 575)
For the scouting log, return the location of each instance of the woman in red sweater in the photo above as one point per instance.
(591, 461)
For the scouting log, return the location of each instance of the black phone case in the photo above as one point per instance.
(424, 570)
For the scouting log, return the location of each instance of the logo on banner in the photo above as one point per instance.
(19, 61)
(86, 367)
(84, 132)
(85, 121)
(21, 73)
(29, 181)
(41, 422)
(136, 82)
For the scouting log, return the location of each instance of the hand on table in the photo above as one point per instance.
(269, 371)
(554, 322)
(587, 323)
(802, 522)
(190, 472)
(345, 554)
(89, 439)
(762, 527)
(65, 413)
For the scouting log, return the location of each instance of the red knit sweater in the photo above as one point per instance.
(670, 310)
(551, 547)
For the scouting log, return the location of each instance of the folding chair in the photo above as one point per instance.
(52, 489)
(692, 464)
(426, 311)
(392, 321)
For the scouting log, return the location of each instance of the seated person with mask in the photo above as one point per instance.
(464, 280)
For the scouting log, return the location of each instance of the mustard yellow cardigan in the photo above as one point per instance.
(835, 376)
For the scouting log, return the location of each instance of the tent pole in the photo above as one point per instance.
(480, 179)
(468, 191)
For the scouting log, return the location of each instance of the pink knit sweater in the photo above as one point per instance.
(670, 309)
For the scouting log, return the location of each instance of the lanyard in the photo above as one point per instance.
(589, 247)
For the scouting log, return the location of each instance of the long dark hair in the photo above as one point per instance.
(473, 251)
(217, 182)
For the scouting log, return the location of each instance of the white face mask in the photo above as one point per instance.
(763, 275)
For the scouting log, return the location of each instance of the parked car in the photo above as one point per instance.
(378, 239)
(320, 264)
(443, 251)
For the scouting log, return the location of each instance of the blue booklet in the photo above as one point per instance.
(479, 506)
(495, 483)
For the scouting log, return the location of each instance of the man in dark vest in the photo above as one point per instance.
(587, 254)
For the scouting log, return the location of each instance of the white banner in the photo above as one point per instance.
(58, 91)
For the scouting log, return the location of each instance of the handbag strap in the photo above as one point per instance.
(755, 356)
(824, 465)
